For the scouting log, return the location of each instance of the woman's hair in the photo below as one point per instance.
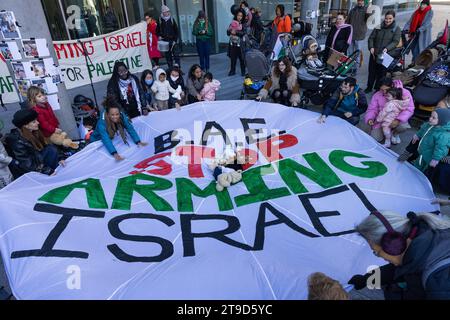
(192, 70)
(281, 7)
(112, 128)
(386, 81)
(390, 13)
(144, 75)
(372, 229)
(201, 14)
(288, 64)
(341, 14)
(117, 65)
(396, 93)
(322, 287)
(36, 138)
(245, 3)
(32, 93)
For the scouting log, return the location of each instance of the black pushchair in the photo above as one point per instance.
(399, 54)
(258, 68)
(319, 84)
(433, 86)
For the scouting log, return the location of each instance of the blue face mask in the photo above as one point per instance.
(149, 82)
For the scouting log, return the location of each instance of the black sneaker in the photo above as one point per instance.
(231, 73)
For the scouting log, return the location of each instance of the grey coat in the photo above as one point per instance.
(357, 17)
(5, 175)
(384, 37)
(424, 39)
(195, 86)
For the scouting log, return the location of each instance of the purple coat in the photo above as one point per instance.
(378, 101)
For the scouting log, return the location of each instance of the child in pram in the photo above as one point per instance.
(258, 68)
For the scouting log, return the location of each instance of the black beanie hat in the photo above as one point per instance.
(23, 117)
(427, 2)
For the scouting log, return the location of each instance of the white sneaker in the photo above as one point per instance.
(396, 139)
(387, 144)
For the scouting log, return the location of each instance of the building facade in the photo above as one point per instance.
(103, 16)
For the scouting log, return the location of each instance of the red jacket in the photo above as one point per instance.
(48, 122)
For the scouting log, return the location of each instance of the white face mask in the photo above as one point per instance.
(174, 78)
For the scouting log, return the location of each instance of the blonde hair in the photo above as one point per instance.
(32, 93)
(322, 287)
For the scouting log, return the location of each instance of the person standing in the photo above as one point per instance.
(357, 18)
(257, 25)
(236, 33)
(248, 16)
(202, 30)
(110, 22)
(152, 40)
(339, 38)
(168, 31)
(419, 25)
(382, 40)
(282, 21)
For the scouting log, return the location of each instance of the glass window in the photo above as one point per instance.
(96, 17)
(268, 7)
(137, 8)
(55, 20)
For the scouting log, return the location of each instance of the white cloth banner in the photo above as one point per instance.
(7, 88)
(154, 227)
(128, 45)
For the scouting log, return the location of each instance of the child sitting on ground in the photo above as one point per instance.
(162, 89)
(394, 106)
(434, 139)
(322, 287)
(48, 123)
(210, 88)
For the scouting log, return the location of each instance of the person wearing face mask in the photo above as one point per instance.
(176, 80)
(282, 85)
(417, 249)
(167, 30)
(339, 38)
(383, 39)
(146, 83)
(203, 32)
(348, 103)
(419, 25)
(127, 90)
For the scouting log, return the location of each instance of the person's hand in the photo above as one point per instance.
(370, 122)
(384, 50)
(372, 51)
(118, 157)
(177, 105)
(58, 131)
(394, 124)
(321, 119)
(348, 115)
(358, 281)
(62, 163)
(441, 202)
(142, 144)
(415, 138)
(199, 97)
(434, 163)
(258, 98)
(233, 32)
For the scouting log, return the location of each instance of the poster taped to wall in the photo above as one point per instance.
(10, 50)
(8, 26)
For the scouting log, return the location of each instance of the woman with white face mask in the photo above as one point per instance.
(176, 80)
(282, 85)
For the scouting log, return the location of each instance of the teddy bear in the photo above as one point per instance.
(226, 179)
(224, 169)
(61, 139)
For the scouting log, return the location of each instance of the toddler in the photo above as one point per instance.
(162, 90)
(210, 88)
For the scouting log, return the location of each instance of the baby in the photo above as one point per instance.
(236, 27)
(210, 88)
(394, 106)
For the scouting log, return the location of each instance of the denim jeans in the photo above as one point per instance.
(50, 156)
(203, 49)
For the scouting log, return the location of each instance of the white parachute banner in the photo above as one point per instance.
(154, 227)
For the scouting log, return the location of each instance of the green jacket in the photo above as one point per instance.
(200, 26)
(385, 37)
(434, 144)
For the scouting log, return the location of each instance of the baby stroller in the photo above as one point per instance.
(258, 68)
(86, 114)
(434, 86)
(318, 84)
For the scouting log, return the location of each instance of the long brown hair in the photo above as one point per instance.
(111, 127)
(36, 138)
(32, 93)
(288, 65)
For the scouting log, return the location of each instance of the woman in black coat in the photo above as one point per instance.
(417, 248)
(127, 90)
(339, 38)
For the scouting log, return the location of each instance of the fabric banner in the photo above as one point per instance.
(7, 88)
(128, 45)
(154, 226)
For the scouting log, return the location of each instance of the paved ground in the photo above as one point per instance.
(231, 87)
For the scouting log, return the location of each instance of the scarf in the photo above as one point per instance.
(417, 19)
(123, 86)
(166, 18)
(338, 29)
